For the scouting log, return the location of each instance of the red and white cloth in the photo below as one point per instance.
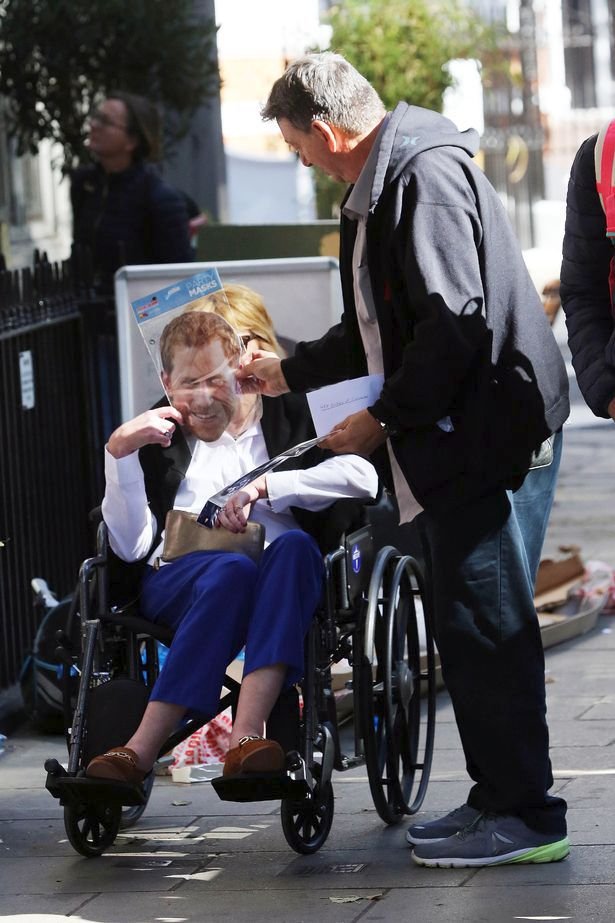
(208, 745)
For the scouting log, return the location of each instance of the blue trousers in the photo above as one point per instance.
(218, 603)
(481, 566)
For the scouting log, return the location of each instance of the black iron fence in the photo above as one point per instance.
(50, 435)
(513, 164)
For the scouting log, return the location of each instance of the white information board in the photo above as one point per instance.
(303, 296)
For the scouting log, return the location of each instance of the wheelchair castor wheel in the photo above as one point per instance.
(131, 813)
(92, 828)
(306, 823)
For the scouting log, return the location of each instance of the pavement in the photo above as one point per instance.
(194, 858)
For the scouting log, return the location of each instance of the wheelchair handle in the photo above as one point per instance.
(88, 567)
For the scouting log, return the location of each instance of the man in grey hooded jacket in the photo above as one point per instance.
(438, 299)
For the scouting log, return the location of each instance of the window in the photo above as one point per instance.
(578, 35)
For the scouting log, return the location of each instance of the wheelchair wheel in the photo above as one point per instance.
(411, 740)
(398, 750)
(306, 824)
(132, 813)
(91, 829)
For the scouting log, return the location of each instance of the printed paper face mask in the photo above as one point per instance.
(200, 353)
(202, 386)
(197, 352)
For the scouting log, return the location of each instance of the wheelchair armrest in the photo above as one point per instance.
(383, 517)
(382, 512)
(95, 515)
(123, 578)
(130, 619)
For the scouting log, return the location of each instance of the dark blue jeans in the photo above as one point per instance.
(481, 565)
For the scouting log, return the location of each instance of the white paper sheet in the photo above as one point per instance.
(334, 403)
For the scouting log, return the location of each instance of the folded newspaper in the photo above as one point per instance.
(209, 513)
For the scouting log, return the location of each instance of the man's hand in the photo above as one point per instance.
(234, 514)
(153, 426)
(262, 374)
(611, 409)
(358, 434)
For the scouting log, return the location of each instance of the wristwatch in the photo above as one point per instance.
(387, 428)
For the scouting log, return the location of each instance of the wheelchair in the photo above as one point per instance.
(373, 610)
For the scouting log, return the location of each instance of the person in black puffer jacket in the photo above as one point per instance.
(123, 212)
(584, 286)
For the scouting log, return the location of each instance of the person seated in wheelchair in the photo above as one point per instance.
(178, 454)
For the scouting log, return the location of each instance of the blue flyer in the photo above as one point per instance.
(154, 311)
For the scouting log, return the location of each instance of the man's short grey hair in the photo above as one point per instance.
(324, 86)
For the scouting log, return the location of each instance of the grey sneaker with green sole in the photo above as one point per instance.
(434, 831)
(493, 840)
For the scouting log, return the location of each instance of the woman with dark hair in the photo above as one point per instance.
(123, 212)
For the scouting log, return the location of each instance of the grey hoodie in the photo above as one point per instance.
(462, 327)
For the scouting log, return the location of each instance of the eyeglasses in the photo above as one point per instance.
(102, 119)
(246, 337)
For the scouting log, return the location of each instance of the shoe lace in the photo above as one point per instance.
(475, 825)
(458, 810)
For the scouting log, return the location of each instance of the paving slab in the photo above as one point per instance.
(39, 908)
(585, 732)
(25, 839)
(587, 827)
(204, 904)
(570, 760)
(77, 875)
(492, 904)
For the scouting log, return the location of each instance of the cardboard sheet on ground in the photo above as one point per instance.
(556, 578)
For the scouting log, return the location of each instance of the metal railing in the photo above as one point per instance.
(47, 483)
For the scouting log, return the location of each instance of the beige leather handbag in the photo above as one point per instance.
(182, 535)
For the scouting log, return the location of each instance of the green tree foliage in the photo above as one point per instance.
(402, 48)
(58, 58)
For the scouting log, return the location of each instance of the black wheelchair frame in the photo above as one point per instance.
(368, 617)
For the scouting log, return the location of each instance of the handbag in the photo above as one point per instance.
(183, 534)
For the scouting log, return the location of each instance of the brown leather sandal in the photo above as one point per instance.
(119, 764)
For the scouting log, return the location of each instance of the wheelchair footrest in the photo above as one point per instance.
(266, 786)
(81, 790)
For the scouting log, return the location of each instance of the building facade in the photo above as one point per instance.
(562, 88)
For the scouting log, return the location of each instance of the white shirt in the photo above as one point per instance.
(130, 521)
(357, 208)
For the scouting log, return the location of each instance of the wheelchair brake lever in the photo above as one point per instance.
(328, 754)
(299, 771)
